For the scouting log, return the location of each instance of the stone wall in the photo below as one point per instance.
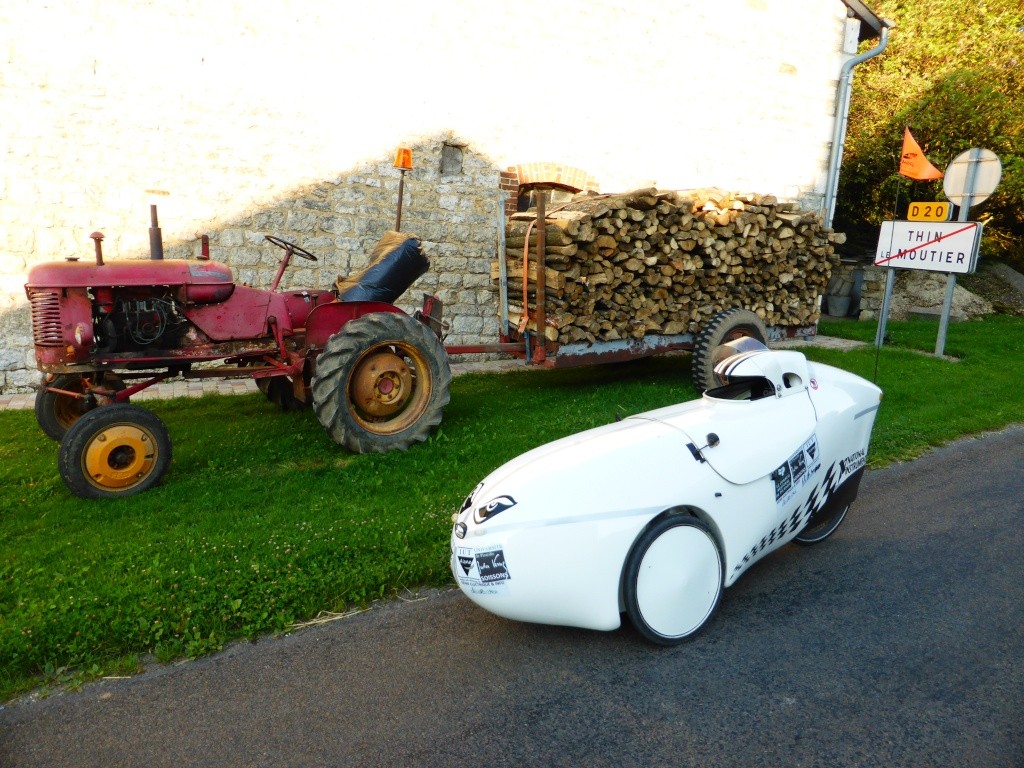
(861, 282)
(453, 208)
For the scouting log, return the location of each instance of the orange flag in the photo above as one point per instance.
(913, 163)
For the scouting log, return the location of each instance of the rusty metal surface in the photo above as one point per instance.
(516, 349)
(326, 319)
(620, 350)
(540, 297)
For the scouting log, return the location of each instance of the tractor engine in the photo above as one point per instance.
(133, 320)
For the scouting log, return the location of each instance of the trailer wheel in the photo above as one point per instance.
(381, 383)
(672, 581)
(114, 451)
(57, 411)
(725, 326)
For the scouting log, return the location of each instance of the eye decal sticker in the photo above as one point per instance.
(493, 507)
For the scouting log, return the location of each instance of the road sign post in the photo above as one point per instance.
(970, 179)
(950, 247)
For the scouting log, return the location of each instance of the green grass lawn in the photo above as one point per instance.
(262, 522)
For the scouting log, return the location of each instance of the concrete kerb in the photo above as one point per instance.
(201, 387)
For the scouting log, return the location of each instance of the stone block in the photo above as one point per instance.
(467, 325)
(300, 221)
(337, 225)
(269, 220)
(21, 380)
(229, 238)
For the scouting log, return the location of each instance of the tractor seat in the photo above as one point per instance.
(395, 264)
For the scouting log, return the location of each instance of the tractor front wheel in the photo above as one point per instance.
(114, 451)
(381, 383)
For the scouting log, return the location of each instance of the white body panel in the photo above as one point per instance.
(545, 537)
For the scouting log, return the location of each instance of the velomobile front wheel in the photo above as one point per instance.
(673, 580)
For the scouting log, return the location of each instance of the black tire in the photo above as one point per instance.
(381, 383)
(56, 412)
(822, 525)
(725, 326)
(672, 580)
(114, 451)
(279, 391)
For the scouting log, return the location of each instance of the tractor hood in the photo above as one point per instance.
(133, 272)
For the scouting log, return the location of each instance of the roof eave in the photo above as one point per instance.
(871, 23)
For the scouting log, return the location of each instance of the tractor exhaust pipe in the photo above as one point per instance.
(156, 242)
(97, 238)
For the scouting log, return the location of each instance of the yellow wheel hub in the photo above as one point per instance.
(381, 385)
(120, 456)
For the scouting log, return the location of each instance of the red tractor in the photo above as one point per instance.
(377, 378)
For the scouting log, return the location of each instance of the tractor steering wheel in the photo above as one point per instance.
(291, 247)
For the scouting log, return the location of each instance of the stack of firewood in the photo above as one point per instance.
(649, 262)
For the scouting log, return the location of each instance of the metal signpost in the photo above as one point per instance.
(970, 179)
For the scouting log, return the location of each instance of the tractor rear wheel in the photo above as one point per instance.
(114, 451)
(725, 326)
(57, 411)
(381, 383)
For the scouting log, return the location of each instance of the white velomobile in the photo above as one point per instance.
(656, 514)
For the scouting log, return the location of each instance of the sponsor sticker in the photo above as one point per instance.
(484, 571)
(852, 463)
(798, 469)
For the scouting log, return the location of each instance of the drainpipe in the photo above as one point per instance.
(835, 158)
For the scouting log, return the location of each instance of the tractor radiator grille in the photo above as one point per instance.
(46, 325)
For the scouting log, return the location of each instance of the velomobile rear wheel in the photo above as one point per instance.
(822, 524)
(673, 580)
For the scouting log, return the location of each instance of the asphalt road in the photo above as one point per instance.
(898, 642)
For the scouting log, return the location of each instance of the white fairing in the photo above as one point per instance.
(545, 537)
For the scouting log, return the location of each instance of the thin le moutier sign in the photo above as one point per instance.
(935, 246)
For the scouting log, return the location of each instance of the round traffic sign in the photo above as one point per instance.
(972, 176)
